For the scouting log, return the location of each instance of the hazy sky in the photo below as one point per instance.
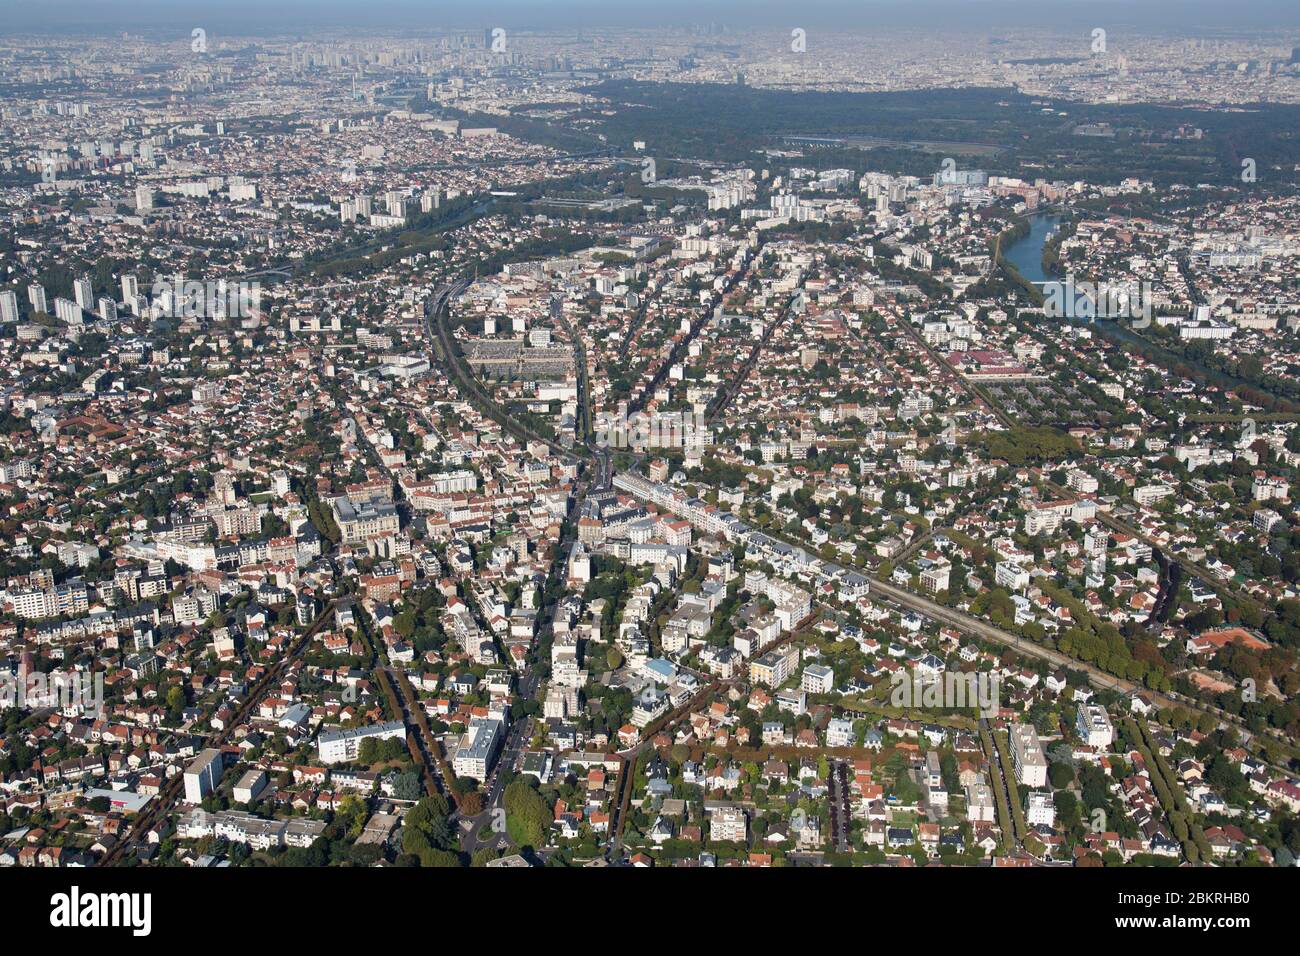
(302, 16)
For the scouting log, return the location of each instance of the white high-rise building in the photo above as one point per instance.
(36, 296)
(477, 748)
(1027, 756)
(8, 307)
(202, 775)
(143, 198)
(84, 293)
(67, 311)
(130, 288)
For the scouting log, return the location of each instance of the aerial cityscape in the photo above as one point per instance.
(724, 440)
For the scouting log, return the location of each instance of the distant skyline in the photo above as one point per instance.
(283, 17)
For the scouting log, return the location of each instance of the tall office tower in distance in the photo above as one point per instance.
(8, 307)
(36, 296)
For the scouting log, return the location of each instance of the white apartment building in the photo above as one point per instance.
(1027, 756)
(202, 775)
(1040, 811)
(67, 311)
(817, 679)
(1082, 482)
(728, 823)
(252, 783)
(70, 598)
(1010, 575)
(1048, 517)
(84, 293)
(774, 667)
(478, 748)
(936, 577)
(340, 746)
(980, 807)
(839, 732)
(1094, 727)
(1150, 494)
(1265, 488)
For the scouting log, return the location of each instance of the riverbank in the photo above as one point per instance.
(1022, 259)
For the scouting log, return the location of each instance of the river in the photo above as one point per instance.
(1026, 254)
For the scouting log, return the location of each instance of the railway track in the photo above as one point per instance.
(733, 389)
(639, 403)
(440, 338)
(160, 808)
